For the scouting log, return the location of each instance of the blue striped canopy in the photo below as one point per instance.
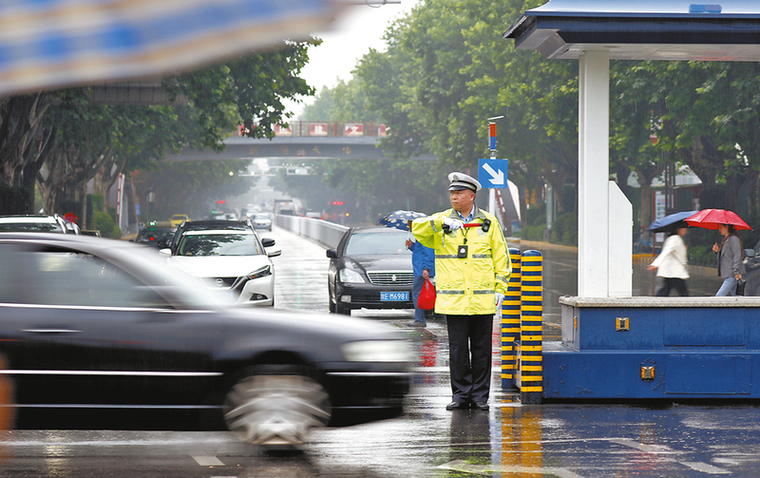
(47, 44)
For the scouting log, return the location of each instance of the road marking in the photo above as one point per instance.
(642, 446)
(486, 470)
(705, 468)
(208, 461)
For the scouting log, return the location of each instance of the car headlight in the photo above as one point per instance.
(377, 351)
(257, 274)
(348, 276)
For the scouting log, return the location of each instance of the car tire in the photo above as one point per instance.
(271, 407)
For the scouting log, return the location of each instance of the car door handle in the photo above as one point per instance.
(51, 331)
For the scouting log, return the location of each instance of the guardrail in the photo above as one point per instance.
(324, 232)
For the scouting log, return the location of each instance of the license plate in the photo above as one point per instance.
(394, 296)
(226, 295)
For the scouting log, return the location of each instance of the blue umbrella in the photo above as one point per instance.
(399, 219)
(668, 222)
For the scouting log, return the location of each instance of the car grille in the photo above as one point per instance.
(391, 278)
(224, 282)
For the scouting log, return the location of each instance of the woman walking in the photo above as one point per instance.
(671, 263)
(730, 255)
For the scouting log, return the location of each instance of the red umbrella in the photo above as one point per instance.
(712, 218)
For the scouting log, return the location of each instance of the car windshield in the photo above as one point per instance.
(261, 217)
(230, 244)
(369, 243)
(30, 227)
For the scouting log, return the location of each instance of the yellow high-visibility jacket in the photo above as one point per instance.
(466, 286)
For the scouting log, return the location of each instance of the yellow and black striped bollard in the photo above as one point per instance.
(531, 332)
(510, 324)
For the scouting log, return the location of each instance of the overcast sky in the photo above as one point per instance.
(351, 36)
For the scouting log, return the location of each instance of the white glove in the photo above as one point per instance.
(453, 224)
(499, 300)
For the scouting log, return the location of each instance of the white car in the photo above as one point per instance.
(233, 264)
(262, 220)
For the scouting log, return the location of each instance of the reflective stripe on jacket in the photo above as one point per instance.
(466, 286)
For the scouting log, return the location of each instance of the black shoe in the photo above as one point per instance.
(480, 405)
(418, 325)
(457, 406)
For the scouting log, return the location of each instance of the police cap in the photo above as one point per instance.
(460, 181)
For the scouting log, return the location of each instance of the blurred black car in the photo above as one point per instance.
(156, 236)
(97, 333)
(371, 268)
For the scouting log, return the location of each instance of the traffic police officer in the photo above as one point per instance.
(472, 272)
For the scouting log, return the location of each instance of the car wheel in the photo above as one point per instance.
(276, 410)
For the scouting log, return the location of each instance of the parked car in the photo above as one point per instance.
(98, 333)
(34, 223)
(371, 268)
(262, 220)
(178, 219)
(233, 264)
(752, 267)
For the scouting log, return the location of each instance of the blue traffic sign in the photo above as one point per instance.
(492, 173)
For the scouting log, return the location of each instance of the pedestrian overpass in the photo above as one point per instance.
(303, 140)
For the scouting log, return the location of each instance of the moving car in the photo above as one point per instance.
(233, 264)
(155, 235)
(371, 268)
(178, 219)
(98, 333)
(34, 223)
(262, 220)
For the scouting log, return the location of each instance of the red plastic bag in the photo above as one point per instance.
(426, 300)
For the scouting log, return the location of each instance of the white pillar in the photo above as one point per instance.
(593, 174)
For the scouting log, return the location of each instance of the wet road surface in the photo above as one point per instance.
(510, 440)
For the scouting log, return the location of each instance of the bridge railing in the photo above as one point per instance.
(329, 128)
(326, 233)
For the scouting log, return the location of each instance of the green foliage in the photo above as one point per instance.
(565, 230)
(104, 223)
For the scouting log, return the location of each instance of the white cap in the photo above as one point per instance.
(460, 181)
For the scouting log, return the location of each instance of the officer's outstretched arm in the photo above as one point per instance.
(425, 229)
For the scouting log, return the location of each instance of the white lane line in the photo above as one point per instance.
(208, 461)
(705, 468)
(642, 446)
(461, 465)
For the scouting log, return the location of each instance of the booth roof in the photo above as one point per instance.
(642, 30)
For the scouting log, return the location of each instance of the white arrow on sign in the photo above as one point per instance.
(497, 178)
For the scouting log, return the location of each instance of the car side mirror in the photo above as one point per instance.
(332, 253)
(165, 252)
(267, 242)
(274, 253)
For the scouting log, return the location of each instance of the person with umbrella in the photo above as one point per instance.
(423, 265)
(423, 258)
(729, 251)
(671, 263)
(730, 255)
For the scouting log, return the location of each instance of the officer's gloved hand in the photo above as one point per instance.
(453, 224)
(499, 300)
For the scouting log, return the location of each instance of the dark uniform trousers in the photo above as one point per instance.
(470, 356)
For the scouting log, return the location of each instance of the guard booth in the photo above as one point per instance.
(615, 346)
